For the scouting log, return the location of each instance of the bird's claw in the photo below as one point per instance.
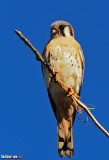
(71, 92)
(54, 71)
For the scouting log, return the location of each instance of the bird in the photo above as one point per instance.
(64, 54)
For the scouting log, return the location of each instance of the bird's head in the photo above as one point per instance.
(61, 28)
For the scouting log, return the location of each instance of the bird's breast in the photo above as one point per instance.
(63, 54)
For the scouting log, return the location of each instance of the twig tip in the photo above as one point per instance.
(15, 30)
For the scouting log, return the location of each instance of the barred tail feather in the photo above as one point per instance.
(65, 138)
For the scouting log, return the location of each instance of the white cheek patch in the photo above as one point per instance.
(67, 32)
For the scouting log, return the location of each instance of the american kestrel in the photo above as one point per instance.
(65, 55)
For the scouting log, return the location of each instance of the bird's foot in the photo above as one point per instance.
(54, 71)
(71, 92)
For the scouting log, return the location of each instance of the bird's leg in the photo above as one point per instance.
(71, 92)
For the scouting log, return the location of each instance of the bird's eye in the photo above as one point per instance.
(54, 31)
(61, 27)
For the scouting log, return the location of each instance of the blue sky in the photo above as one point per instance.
(27, 122)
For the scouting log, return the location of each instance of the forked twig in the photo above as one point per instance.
(60, 83)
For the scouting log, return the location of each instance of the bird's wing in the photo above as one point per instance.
(52, 102)
(83, 61)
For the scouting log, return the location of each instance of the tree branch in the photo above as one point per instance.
(61, 84)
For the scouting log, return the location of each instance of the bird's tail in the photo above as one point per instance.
(65, 138)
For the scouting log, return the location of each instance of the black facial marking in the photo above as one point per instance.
(61, 27)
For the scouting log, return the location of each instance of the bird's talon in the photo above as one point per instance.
(54, 71)
(71, 92)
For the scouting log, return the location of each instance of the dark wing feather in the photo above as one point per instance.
(52, 102)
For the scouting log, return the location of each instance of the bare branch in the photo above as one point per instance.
(61, 84)
(82, 105)
(38, 56)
